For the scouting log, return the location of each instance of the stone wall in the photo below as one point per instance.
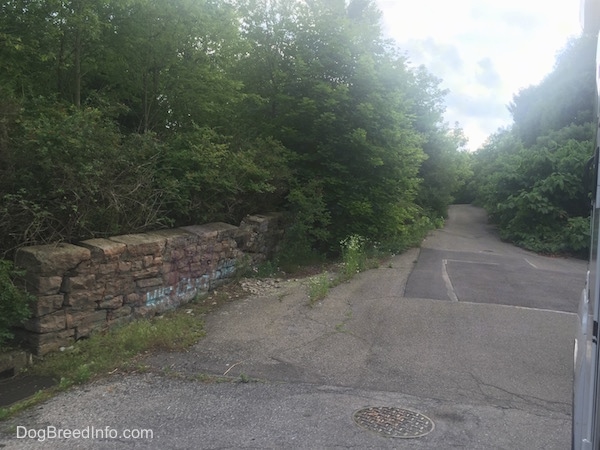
(99, 283)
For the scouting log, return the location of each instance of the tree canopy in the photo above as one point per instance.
(531, 176)
(123, 116)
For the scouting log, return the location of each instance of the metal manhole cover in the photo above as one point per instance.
(394, 422)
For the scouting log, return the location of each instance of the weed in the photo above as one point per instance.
(82, 374)
(341, 327)
(206, 378)
(203, 377)
(265, 270)
(244, 378)
(353, 254)
(319, 288)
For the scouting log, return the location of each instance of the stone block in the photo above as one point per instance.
(42, 344)
(14, 361)
(121, 285)
(86, 330)
(39, 285)
(175, 254)
(244, 239)
(124, 266)
(197, 269)
(47, 304)
(78, 283)
(170, 279)
(149, 282)
(115, 323)
(105, 268)
(119, 313)
(182, 265)
(55, 321)
(167, 267)
(176, 237)
(104, 248)
(77, 318)
(83, 299)
(110, 302)
(133, 299)
(140, 312)
(212, 231)
(150, 272)
(52, 259)
(147, 261)
(142, 244)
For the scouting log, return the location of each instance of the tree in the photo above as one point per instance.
(323, 81)
(566, 96)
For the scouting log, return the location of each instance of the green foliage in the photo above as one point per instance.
(344, 102)
(71, 175)
(537, 195)
(14, 303)
(116, 349)
(447, 169)
(118, 117)
(353, 255)
(566, 96)
(531, 177)
(318, 288)
(265, 270)
(211, 177)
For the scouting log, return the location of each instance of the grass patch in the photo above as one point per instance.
(357, 256)
(117, 349)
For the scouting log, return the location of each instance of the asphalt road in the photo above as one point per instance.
(466, 262)
(471, 332)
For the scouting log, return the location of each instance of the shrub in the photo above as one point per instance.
(14, 303)
(353, 254)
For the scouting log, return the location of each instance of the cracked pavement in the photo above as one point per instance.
(470, 331)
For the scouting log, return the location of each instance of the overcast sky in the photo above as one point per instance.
(483, 50)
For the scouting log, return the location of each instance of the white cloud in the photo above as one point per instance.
(483, 50)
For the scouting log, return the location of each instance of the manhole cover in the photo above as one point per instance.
(394, 422)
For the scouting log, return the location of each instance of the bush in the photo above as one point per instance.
(212, 177)
(308, 228)
(14, 303)
(70, 174)
(538, 195)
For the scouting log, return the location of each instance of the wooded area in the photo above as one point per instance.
(121, 116)
(532, 177)
(126, 115)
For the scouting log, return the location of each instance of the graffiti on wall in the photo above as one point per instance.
(187, 288)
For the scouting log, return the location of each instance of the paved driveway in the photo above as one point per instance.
(471, 332)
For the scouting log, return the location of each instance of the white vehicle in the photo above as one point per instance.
(586, 383)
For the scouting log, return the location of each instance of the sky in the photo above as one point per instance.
(484, 51)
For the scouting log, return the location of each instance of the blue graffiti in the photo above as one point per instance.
(187, 288)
